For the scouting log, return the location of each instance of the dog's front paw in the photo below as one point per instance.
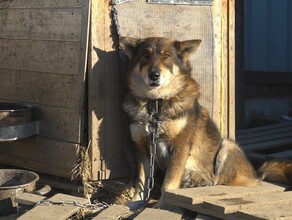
(134, 205)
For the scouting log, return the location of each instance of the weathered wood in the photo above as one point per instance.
(41, 88)
(58, 212)
(40, 56)
(40, 4)
(217, 26)
(105, 96)
(198, 208)
(149, 213)
(28, 198)
(113, 212)
(41, 154)
(230, 205)
(41, 24)
(269, 212)
(199, 194)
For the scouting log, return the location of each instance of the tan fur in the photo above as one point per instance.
(190, 148)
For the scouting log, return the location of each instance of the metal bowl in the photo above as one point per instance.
(14, 182)
(12, 114)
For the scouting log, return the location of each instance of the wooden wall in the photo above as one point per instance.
(42, 62)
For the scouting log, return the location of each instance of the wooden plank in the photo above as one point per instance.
(113, 212)
(230, 205)
(58, 212)
(41, 24)
(28, 198)
(40, 56)
(269, 212)
(41, 154)
(256, 156)
(96, 87)
(105, 91)
(199, 194)
(40, 4)
(267, 144)
(263, 128)
(231, 69)
(198, 208)
(264, 133)
(265, 138)
(41, 88)
(216, 10)
(149, 213)
(281, 155)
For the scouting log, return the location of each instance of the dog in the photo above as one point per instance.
(190, 149)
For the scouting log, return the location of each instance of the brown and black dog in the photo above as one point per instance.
(190, 149)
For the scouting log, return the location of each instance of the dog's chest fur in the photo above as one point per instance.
(167, 129)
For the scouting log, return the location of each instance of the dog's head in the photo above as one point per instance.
(158, 67)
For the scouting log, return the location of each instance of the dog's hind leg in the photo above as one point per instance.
(232, 166)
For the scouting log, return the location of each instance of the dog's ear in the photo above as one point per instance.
(128, 45)
(186, 48)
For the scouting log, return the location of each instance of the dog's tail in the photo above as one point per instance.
(277, 171)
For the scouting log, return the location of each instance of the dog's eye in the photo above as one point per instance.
(166, 55)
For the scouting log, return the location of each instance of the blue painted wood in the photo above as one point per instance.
(277, 21)
(268, 35)
(289, 7)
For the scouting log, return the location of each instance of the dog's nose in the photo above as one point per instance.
(154, 75)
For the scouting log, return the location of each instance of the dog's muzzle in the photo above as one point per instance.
(154, 78)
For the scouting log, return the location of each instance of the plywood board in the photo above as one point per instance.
(54, 211)
(269, 212)
(160, 214)
(230, 205)
(113, 212)
(199, 194)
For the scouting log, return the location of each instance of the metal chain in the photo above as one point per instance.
(153, 110)
(97, 206)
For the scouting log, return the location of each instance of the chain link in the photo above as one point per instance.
(153, 110)
(96, 205)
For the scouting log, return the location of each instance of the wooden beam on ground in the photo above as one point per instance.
(54, 211)
(272, 211)
(113, 212)
(230, 205)
(199, 194)
(160, 214)
(28, 198)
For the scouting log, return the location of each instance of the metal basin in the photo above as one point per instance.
(12, 114)
(14, 182)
